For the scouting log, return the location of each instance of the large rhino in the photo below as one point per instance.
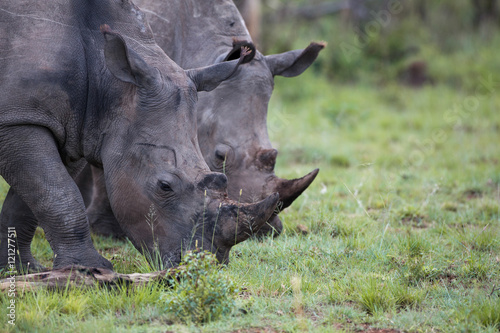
(232, 130)
(72, 94)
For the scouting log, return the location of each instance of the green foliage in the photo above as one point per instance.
(487, 312)
(3, 190)
(435, 35)
(412, 263)
(374, 296)
(95, 309)
(380, 294)
(410, 215)
(475, 266)
(202, 293)
(414, 271)
(413, 246)
(153, 257)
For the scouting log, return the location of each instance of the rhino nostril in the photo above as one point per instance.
(213, 181)
(267, 157)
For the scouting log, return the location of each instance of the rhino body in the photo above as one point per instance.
(232, 129)
(83, 81)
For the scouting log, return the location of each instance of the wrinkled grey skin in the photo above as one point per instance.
(71, 94)
(232, 129)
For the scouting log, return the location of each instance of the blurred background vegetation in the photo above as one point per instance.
(412, 42)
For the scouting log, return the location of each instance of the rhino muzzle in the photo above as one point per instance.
(240, 221)
(214, 181)
(224, 224)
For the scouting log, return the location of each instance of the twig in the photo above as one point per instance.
(493, 290)
(79, 276)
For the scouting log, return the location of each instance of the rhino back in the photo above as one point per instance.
(194, 33)
(37, 53)
(52, 69)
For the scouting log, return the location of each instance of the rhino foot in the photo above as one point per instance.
(23, 266)
(87, 259)
(34, 266)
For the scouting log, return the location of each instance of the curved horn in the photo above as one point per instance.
(239, 222)
(289, 190)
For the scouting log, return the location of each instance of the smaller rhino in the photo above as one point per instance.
(232, 119)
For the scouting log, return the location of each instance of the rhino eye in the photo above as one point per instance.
(164, 186)
(221, 155)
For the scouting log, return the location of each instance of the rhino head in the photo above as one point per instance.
(232, 130)
(162, 192)
(232, 124)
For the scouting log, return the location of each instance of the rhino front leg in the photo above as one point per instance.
(32, 165)
(17, 216)
(101, 217)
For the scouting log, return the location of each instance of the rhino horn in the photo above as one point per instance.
(290, 189)
(240, 221)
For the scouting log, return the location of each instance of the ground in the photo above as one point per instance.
(399, 232)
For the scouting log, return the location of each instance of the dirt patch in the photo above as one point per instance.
(368, 328)
(302, 229)
(416, 221)
(315, 315)
(473, 193)
(245, 293)
(257, 330)
(450, 278)
(493, 183)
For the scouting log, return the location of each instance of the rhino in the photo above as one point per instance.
(83, 82)
(232, 130)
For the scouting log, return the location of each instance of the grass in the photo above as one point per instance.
(391, 241)
(401, 229)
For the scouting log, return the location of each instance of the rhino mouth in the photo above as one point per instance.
(276, 223)
(273, 227)
(171, 260)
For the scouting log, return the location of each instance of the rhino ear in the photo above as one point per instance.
(293, 63)
(208, 78)
(122, 62)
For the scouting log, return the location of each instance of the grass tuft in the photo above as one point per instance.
(202, 292)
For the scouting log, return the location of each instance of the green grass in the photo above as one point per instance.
(403, 223)
(394, 241)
